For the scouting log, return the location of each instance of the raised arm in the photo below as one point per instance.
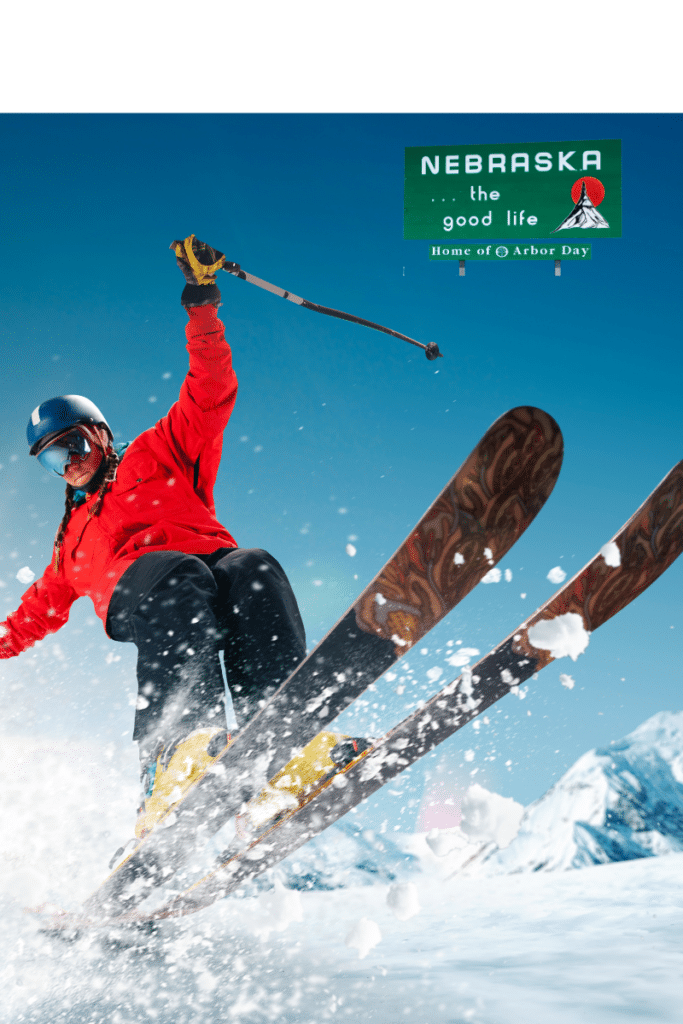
(193, 428)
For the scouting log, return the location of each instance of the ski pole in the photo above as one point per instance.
(431, 350)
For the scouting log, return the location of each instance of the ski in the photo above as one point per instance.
(635, 557)
(473, 523)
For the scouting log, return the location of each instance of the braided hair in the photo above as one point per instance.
(108, 472)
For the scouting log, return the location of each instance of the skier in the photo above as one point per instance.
(140, 537)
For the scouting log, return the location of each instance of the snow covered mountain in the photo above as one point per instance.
(616, 804)
(584, 214)
(621, 803)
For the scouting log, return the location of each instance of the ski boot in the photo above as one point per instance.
(321, 759)
(175, 768)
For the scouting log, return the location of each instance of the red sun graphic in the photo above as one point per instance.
(594, 189)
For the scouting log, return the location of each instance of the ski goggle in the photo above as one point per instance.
(56, 456)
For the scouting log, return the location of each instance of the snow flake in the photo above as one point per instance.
(350, 550)
(467, 682)
(137, 701)
(462, 657)
(458, 558)
(492, 576)
(566, 681)
(557, 575)
(26, 575)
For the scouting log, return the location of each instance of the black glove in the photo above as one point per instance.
(199, 263)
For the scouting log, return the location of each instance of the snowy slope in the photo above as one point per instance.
(620, 803)
(602, 946)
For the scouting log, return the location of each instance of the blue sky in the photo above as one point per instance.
(340, 432)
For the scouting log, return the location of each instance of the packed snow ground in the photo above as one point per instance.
(409, 946)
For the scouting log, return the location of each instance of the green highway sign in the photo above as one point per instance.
(555, 190)
(512, 251)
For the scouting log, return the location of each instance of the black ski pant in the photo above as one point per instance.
(180, 610)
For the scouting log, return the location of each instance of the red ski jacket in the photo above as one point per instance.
(161, 500)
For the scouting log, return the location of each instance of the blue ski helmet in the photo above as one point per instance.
(58, 414)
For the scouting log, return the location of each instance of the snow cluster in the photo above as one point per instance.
(364, 936)
(489, 817)
(611, 553)
(564, 636)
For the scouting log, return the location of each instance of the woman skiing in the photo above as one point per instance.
(140, 537)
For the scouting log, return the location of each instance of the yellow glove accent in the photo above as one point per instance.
(203, 273)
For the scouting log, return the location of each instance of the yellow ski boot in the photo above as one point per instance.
(169, 777)
(325, 755)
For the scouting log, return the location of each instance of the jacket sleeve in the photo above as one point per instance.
(193, 428)
(44, 609)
